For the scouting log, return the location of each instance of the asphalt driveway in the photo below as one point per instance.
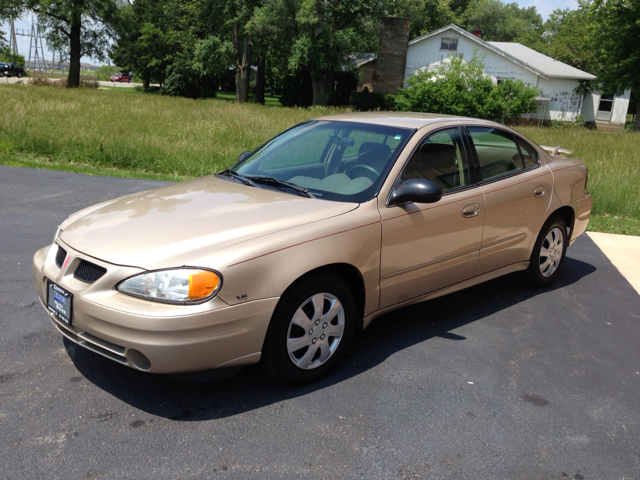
(497, 381)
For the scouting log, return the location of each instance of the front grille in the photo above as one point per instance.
(88, 272)
(60, 256)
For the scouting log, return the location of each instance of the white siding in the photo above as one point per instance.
(427, 52)
(565, 104)
(590, 106)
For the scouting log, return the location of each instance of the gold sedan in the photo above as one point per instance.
(332, 223)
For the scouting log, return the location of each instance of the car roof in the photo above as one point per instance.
(401, 119)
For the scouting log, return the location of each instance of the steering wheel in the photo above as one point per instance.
(369, 172)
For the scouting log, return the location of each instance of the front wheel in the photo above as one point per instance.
(19, 75)
(548, 253)
(310, 329)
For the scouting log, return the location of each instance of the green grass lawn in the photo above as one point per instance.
(123, 132)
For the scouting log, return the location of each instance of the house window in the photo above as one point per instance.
(449, 43)
(499, 80)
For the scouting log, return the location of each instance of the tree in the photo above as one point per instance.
(501, 22)
(234, 17)
(85, 26)
(616, 45)
(7, 56)
(319, 35)
(457, 87)
(566, 36)
(427, 15)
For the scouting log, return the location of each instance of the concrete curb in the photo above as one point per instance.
(623, 251)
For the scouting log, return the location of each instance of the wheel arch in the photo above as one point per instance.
(567, 214)
(351, 276)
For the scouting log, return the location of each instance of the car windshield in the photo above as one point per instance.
(340, 161)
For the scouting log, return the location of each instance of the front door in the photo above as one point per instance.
(605, 108)
(426, 247)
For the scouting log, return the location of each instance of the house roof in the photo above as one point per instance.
(526, 57)
(550, 66)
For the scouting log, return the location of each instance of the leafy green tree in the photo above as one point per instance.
(233, 18)
(566, 36)
(318, 35)
(7, 56)
(616, 45)
(84, 27)
(155, 34)
(502, 22)
(457, 87)
(427, 15)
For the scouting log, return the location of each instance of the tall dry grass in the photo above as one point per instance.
(613, 160)
(188, 138)
(149, 133)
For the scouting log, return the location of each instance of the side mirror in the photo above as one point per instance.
(415, 190)
(243, 155)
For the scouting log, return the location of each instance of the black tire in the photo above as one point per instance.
(1, 74)
(277, 361)
(19, 75)
(544, 269)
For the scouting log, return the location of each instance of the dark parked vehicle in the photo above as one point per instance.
(10, 70)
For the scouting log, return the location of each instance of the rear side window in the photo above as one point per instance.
(528, 153)
(498, 153)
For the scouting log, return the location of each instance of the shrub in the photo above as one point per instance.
(366, 101)
(333, 98)
(105, 72)
(461, 88)
(185, 80)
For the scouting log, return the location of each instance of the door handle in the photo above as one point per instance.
(539, 192)
(471, 210)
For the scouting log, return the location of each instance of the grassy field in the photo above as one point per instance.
(614, 172)
(122, 132)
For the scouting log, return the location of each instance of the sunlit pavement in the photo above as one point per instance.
(495, 382)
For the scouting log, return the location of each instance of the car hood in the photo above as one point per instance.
(177, 224)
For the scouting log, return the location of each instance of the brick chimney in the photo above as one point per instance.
(477, 32)
(392, 54)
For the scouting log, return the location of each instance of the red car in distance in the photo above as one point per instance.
(121, 77)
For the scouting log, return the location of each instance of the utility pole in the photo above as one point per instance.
(13, 44)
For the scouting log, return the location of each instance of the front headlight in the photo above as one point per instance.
(179, 286)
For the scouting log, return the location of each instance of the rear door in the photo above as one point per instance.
(517, 191)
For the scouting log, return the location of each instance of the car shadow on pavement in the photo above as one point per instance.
(173, 399)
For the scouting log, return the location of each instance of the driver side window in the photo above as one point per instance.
(440, 158)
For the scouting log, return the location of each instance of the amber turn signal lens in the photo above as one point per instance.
(202, 284)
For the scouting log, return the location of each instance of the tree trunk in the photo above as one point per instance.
(245, 70)
(319, 84)
(260, 80)
(75, 52)
(145, 83)
(636, 126)
(243, 65)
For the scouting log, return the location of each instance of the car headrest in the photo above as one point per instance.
(374, 154)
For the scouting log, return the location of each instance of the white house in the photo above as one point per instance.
(509, 60)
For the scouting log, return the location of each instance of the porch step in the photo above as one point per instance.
(609, 127)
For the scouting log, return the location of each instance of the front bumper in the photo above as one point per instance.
(146, 335)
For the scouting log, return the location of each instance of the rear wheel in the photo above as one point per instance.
(548, 253)
(310, 329)
(19, 75)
